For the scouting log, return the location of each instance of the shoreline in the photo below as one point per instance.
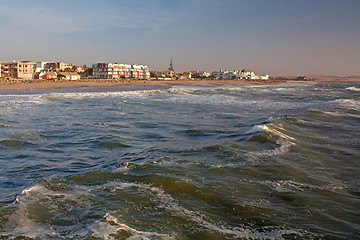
(63, 84)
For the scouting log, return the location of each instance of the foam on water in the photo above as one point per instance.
(256, 129)
(352, 104)
(353, 89)
(233, 162)
(32, 224)
(112, 226)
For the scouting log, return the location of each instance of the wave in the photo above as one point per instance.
(353, 89)
(340, 114)
(15, 143)
(256, 129)
(112, 227)
(58, 210)
(291, 186)
(271, 129)
(275, 135)
(351, 104)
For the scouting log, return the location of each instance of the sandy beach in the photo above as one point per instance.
(50, 84)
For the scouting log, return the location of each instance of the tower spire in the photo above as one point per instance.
(171, 67)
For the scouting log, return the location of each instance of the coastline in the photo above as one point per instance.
(62, 84)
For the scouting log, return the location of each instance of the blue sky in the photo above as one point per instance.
(279, 37)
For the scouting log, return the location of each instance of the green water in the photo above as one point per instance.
(251, 162)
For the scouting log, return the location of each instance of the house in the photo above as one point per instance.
(185, 76)
(249, 75)
(73, 76)
(47, 75)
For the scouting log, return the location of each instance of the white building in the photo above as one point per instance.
(140, 71)
(41, 66)
(205, 75)
(223, 74)
(249, 75)
(119, 70)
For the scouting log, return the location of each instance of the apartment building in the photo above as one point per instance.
(59, 66)
(223, 74)
(244, 74)
(250, 75)
(40, 66)
(140, 71)
(9, 69)
(120, 70)
(25, 70)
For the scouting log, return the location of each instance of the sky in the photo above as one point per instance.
(276, 37)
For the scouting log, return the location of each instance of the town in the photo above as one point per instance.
(27, 71)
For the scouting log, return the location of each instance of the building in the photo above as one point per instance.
(40, 66)
(25, 70)
(47, 75)
(185, 76)
(246, 74)
(79, 69)
(111, 70)
(59, 66)
(171, 71)
(73, 76)
(0, 70)
(224, 74)
(9, 69)
(120, 70)
(140, 72)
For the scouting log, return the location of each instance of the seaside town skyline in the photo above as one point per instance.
(277, 38)
(29, 70)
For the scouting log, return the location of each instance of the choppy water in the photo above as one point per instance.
(236, 162)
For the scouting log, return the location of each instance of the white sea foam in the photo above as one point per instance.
(353, 89)
(257, 128)
(341, 114)
(29, 221)
(284, 142)
(171, 205)
(284, 147)
(112, 225)
(28, 191)
(189, 89)
(349, 104)
(280, 134)
(270, 129)
(285, 186)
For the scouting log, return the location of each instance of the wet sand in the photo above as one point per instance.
(50, 84)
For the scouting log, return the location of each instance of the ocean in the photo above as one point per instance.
(186, 162)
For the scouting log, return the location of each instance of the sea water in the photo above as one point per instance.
(231, 162)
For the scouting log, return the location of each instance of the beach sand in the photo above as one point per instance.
(50, 84)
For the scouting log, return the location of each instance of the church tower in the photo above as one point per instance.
(171, 70)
